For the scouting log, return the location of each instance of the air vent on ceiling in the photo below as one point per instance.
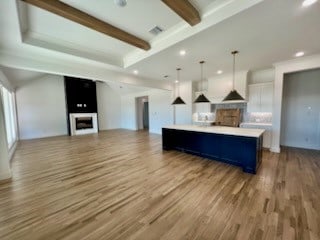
(156, 30)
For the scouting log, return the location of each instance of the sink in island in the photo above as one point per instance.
(238, 146)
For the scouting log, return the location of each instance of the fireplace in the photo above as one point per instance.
(83, 123)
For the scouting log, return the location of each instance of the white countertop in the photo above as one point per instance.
(245, 132)
(256, 124)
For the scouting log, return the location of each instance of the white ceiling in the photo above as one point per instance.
(264, 31)
(19, 77)
(124, 89)
(269, 32)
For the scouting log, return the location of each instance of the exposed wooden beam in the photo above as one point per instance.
(185, 10)
(73, 14)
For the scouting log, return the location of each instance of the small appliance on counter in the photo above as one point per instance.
(203, 119)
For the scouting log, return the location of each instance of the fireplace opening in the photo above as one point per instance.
(84, 123)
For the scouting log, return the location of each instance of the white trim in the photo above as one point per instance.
(295, 65)
(59, 65)
(12, 150)
(73, 129)
(275, 149)
(296, 60)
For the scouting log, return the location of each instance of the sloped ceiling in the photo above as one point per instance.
(264, 32)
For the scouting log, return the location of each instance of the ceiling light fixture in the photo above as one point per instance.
(182, 52)
(201, 98)
(120, 3)
(233, 95)
(135, 72)
(307, 3)
(178, 99)
(299, 54)
(219, 72)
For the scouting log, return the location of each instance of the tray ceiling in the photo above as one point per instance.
(263, 31)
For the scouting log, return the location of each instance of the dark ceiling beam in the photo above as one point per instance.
(75, 15)
(185, 10)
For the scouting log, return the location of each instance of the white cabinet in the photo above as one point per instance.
(267, 135)
(260, 97)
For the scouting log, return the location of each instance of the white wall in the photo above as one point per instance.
(183, 112)
(41, 108)
(300, 124)
(261, 76)
(109, 107)
(160, 109)
(300, 64)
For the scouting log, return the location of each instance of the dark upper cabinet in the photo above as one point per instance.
(81, 96)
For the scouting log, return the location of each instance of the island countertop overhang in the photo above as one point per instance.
(233, 131)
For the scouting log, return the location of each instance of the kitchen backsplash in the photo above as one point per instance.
(258, 117)
(245, 116)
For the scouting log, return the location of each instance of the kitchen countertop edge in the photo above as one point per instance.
(244, 132)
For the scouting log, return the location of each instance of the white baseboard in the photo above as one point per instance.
(275, 149)
(12, 150)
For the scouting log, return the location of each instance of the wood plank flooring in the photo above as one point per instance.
(119, 184)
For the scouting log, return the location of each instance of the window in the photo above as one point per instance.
(9, 115)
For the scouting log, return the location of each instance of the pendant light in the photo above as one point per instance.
(120, 3)
(201, 98)
(178, 100)
(233, 95)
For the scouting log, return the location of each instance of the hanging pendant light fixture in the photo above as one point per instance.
(233, 95)
(120, 3)
(201, 98)
(178, 100)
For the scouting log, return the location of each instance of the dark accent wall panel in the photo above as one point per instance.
(81, 96)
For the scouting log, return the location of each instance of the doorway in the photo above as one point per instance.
(300, 120)
(142, 112)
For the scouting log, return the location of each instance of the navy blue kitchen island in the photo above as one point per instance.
(238, 146)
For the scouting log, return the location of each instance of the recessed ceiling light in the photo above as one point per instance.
(299, 54)
(135, 72)
(176, 81)
(219, 72)
(307, 3)
(182, 52)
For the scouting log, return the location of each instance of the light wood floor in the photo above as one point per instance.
(120, 185)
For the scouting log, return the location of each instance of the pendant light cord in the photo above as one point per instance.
(177, 85)
(178, 77)
(234, 68)
(201, 69)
